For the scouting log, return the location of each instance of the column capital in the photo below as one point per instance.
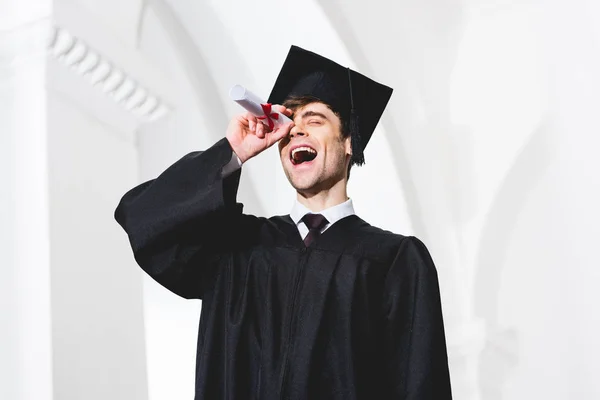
(105, 75)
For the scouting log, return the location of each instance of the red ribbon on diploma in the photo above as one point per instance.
(269, 116)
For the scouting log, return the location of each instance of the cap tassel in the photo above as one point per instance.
(358, 158)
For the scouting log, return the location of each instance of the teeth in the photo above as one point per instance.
(303, 149)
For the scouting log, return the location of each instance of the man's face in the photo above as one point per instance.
(314, 155)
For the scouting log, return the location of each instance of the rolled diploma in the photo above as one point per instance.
(252, 103)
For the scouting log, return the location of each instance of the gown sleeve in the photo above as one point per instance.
(414, 340)
(181, 224)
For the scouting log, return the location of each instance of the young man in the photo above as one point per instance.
(317, 304)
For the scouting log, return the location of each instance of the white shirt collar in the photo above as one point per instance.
(333, 214)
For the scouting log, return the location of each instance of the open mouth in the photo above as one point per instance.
(302, 154)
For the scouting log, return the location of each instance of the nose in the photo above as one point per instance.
(296, 131)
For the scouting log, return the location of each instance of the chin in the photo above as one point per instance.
(303, 184)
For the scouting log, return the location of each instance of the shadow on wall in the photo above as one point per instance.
(205, 87)
(500, 354)
(359, 26)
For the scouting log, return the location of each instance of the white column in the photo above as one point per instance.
(100, 91)
(25, 317)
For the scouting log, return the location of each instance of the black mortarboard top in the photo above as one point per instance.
(359, 100)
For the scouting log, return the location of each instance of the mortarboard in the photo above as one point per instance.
(358, 99)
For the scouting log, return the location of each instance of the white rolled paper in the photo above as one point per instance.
(253, 104)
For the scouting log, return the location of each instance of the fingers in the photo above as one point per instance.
(285, 111)
(281, 132)
(251, 122)
(260, 130)
(255, 126)
(250, 117)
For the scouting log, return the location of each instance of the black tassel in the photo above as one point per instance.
(358, 157)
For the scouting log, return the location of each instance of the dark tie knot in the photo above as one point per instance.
(315, 221)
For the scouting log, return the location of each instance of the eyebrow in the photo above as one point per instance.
(310, 113)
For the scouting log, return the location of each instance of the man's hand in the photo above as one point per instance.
(249, 137)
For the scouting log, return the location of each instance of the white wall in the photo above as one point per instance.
(71, 296)
(25, 317)
(536, 266)
(97, 323)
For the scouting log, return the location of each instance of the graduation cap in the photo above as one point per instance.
(359, 100)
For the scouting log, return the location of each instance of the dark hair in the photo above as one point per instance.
(296, 102)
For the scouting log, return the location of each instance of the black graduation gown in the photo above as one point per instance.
(356, 315)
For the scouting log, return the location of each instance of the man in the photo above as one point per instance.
(317, 304)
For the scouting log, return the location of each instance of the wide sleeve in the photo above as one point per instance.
(416, 365)
(183, 223)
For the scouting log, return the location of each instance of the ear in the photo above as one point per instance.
(348, 145)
